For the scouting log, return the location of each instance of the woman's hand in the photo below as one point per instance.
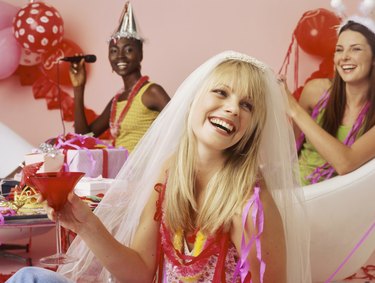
(74, 214)
(77, 73)
(292, 102)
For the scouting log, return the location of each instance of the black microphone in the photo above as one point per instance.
(90, 58)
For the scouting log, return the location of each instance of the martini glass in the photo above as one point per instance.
(55, 187)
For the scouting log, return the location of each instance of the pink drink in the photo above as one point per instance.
(55, 186)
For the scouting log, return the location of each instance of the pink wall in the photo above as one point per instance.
(180, 36)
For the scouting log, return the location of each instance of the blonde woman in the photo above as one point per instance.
(210, 192)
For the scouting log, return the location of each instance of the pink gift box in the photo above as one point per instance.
(96, 162)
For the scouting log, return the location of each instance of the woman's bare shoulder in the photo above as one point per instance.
(312, 91)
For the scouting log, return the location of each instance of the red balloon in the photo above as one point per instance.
(327, 68)
(316, 32)
(38, 27)
(52, 65)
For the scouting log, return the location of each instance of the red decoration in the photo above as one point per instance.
(55, 97)
(67, 106)
(41, 87)
(368, 273)
(72, 141)
(297, 93)
(29, 58)
(90, 115)
(316, 32)
(38, 27)
(28, 75)
(27, 171)
(50, 61)
(52, 97)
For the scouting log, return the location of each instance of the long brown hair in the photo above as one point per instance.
(334, 112)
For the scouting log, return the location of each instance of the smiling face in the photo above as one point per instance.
(353, 57)
(228, 107)
(125, 55)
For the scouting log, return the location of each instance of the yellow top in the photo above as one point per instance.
(136, 122)
(310, 159)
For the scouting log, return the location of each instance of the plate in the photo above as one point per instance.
(25, 216)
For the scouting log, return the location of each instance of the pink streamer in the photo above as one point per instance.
(326, 171)
(351, 252)
(257, 215)
(320, 105)
(9, 212)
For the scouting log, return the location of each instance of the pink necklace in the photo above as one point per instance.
(326, 171)
(115, 125)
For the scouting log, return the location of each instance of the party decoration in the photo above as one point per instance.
(31, 46)
(10, 53)
(127, 25)
(316, 32)
(7, 13)
(38, 27)
(326, 70)
(27, 171)
(56, 98)
(367, 7)
(41, 87)
(28, 74)
(339, 7)
(67, 106)
(51, 61)
(29, 58)
(53, 97)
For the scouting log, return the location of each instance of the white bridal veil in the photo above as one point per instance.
(121, 207)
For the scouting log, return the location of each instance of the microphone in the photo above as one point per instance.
(90, 58)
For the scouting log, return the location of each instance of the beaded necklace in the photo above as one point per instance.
(115, 125)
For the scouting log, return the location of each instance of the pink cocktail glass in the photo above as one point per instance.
(55, 187)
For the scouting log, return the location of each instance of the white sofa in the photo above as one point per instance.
(341, 211)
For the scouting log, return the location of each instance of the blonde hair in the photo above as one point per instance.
(231, 186)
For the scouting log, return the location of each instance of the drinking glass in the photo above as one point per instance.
(55, 187)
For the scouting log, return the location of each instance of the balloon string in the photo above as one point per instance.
(284, 66)
(59, 97)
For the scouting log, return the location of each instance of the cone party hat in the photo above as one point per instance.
(127, 25)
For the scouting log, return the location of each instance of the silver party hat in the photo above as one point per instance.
(127, 25)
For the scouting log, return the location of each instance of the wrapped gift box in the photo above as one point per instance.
(96, 162)
(52, 162)
(92, 186)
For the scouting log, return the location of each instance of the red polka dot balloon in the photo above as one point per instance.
(38, 27)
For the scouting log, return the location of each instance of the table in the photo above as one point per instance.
(27, 226)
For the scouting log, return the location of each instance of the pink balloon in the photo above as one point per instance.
(10, 53)
(7, 13)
